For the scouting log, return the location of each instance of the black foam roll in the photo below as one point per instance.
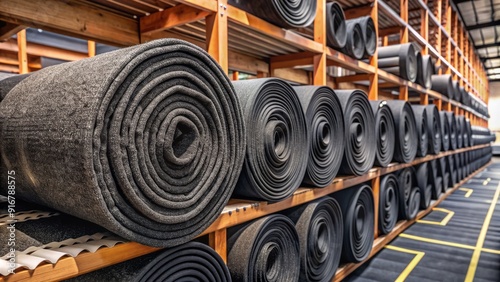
(8, 81)
(320, 228)
(433, 129)
(389, 203)
(422, 129)
(425, 72)
(414, 202)
(425, 188)
(283, 13)
(443, 172)
(452, 172)
(369, 35)
(384, 133)
(146, 141)
(360, 151)
(192, 261)
(442, 83)
(460, 133)
(399, 60)
(325, 123)
(358, 211)
(266, 249)
(456, 90)
(277, 143)
(453, 130)
(355, 45)
(435, 179)
(336, 32)
(406, 180)
(468, 128)
(406, 131)
(445, 131)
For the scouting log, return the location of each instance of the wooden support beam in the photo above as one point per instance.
(373, 61)
(424, 99)
(172, 17)
(22, 54)
(352, 78)
(7, 30)
(217, 240)
(319, 67)
(389, 31)
(9, 68)
(376, 202)
(73, 18)
(43, 51)
(359, 11)
(216, 29)
(91, 48)
(292, 60)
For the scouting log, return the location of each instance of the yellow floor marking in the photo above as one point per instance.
(482, 236)
(446, 243)
(413, 263)
(443, 222)
(468, 191)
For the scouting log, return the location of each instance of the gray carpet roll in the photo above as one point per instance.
(336, 29)
(266, 249)
(453, 130)
(360, 150)
(355, 44)
(369, 35)
(425, 188)
(452, 172)
(425, 72)
(433, 129)
(442, 84)
(400, 60)
(389, 203)
(384, 133)
(277, 139)
(406, 131)
(146, 141)
(443, 172)
(192, 261)
(8, 81)
(445, 131)
(414, 202)
(435, 180)
(283, 13)
(325, 123)
(320, 228)
(407, 182)
(460, 132)
(422, 129)
(456, 90)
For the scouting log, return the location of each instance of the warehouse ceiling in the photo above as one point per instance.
(482, 20)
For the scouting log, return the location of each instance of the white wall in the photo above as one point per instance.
(494, 106)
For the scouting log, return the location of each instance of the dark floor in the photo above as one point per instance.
(458, 241)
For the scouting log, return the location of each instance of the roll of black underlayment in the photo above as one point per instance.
(425, 72)
(481, 135)
(456, 90)
(336, 28)
(453, 130)
(283, 13)
(355, 44)
(192, 261)
(407, 181)
(266, 249)
(369, 35)
(460, 133)
(442, 83)
(422, 129)
(360, 149)
(414, 202)
(465, 132)
(399, 60)
(325, 123)
(445, 131)
(451, 168)
(468, 128)
(358, 212)
(384, 133)
(277, 139)
(435, 179)
(433, 129)
(8, 81)
(406, 131)
(147, 141)
(425, 188)
(389, 203)
(444, 173)
(463, 95)
(321, 229)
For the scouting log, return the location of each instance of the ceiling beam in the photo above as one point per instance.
(172, 17)
(9, 29)
(487, 45)
(43, 51)
(483, 25)
(74, 18)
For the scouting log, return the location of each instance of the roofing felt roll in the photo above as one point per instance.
(283, 13)
(336, 29)
(384, 133)
(388, 203)
(433, 129)
(360, 151)
(266, 249)
(445, 131)
(406, 131)
(456, 90)
(442, 83)
(146, 141)
(407, 182)
(422, 129)
(320, 226)
(369, 35)
(355, 44)
(453, 130)
(424, 75)
(325, 123)
(277, 139)
(435, 179)
(358, 211)
(425, 188)
(400, 60)
(460, 133)
(443, 172)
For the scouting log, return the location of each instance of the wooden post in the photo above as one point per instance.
(373, 78)
(21, 53)
(319, 70)
(236, 75)
(216, 29)
(403, 89)
(91, 48)
(376, 201)
(217, 240)
(424, 28)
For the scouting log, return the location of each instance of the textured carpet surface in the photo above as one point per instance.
(384, 133)
(406, 131)
(336, 30)
(146, 141)
(388, 203)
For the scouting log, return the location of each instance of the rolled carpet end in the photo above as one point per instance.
(433, 129)
(277, 139)
(453, 130)
(146, 141)
(325, 123)
(407, 182)
(358, 211)
(369, 35)
(426, 73)
(384, 133)
(422, 125)
(360, 150)
(425, 189)
(445, 131)
(435, 179)
(389, 203)
(399, 60)
(406, 131)
(264, 250)
(320, 227)
(355, 45)
(336, 32)
(442, 83)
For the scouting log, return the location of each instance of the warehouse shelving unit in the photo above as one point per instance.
(243, 43)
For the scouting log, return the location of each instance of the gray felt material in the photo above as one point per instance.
(360, 150)
(434, 179)
(384, 133)
(192, 261)
(433, 129)
(369, 35)
(400, 60)
(388, 203)
(325, 122)
(336, 30)
(355, 45)
(406, 131)
(146, 141)
(423, 134)
(407, 182)
(266, 249)
(453, 130)
(277, 139)
(442, 83)
(445, 131)
(425, 189)
(320, 227)
(8, 81)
